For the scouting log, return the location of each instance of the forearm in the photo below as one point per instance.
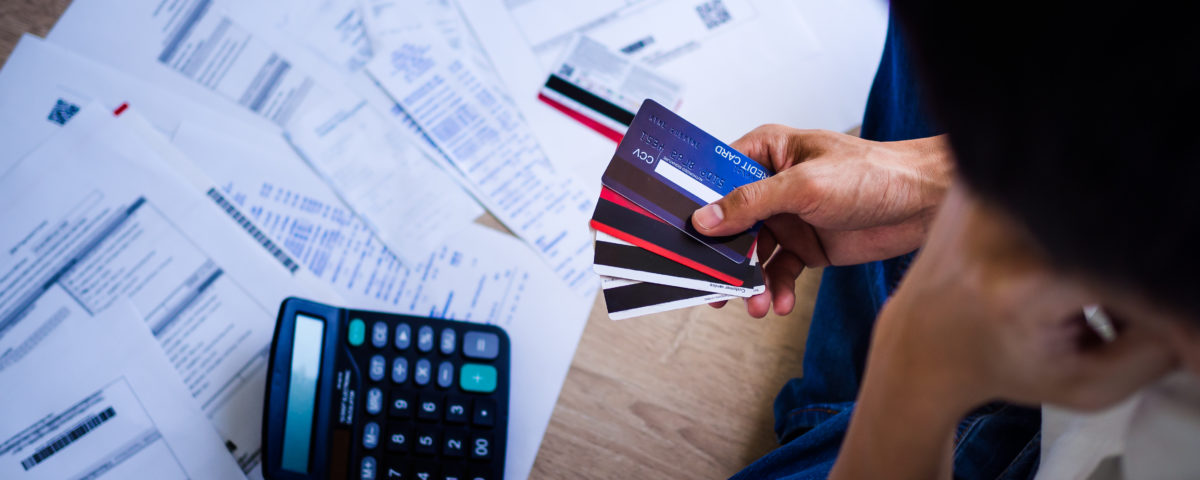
(932, 163)
(906, 414)
(896, 435)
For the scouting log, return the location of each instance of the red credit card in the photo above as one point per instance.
(621, 218)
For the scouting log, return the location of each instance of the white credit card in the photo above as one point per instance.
(602, 88)
(621, 259)
(628, 298)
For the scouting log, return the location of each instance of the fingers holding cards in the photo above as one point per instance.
(650, 257)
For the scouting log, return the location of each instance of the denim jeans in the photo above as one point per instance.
(812, 413)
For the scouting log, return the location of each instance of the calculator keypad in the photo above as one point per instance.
(429, 409)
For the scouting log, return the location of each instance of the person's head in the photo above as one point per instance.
(1082, 121)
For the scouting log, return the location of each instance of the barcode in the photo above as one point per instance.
(67, 438)
(253, 230)
(713, 13)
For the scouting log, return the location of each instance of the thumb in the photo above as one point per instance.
(745, 206)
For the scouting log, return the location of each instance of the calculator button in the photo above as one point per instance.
(449, 338)
(456, 410)
(377, 368)
(423, 372)
(394, 471)
(356, 333)
(399, 370)
(374, 401)
(481, 447)
(379, 336)
(481, 345)
(481, 475)
(454, 443)
(430, 407)
(424, 471)
(425, 338)
(477, 378)
(452, 472)
(426, 442)
(370, 435)
(403, 336)
(397, 440)
(485, 412)
(367, 471)
(445, 375)
(401, 405)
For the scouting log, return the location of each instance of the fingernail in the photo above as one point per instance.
(710, 216)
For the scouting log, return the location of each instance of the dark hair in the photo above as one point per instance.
(1083, 121)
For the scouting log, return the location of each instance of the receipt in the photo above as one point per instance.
(490, 144)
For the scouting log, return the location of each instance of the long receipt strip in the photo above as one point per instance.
(493, 148)
(112, 408)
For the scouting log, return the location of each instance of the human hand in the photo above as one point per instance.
(835, 199)
(982, 315)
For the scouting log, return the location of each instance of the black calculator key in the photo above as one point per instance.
(370, 435)
(454, 442)
(430, 407)
(445, 374)
(399, 370)
(426, 441)
(481, 345)
(421, 376)
(482, 474)
(377, 368)
(398, 438)
(449, 339)
(403, 336)
(379, 336)
(481, 447)
(424, 471)
(425, 338)
(452, 472)
(368, 468)
(394, 471)
(400, 405)
(485, 412)
(456, 409)
(374, 401)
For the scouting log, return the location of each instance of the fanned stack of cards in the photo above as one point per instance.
(648, 254)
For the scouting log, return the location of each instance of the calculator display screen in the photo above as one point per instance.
(302, 393)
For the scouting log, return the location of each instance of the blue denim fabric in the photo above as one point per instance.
(813, 412)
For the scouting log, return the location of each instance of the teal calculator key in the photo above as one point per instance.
(358, 332)
(477, 378)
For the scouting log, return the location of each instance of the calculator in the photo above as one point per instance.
(361, 395)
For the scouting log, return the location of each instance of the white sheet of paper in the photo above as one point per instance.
(97, 397)
(126, 228)
(27, 99)
(379, 170)
(766, 69)
(491, 145)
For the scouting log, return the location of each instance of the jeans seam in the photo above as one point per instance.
(1019, 456)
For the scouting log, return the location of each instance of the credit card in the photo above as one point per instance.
(621, 218)
(617, 258)
(671, 168)
(628, 298)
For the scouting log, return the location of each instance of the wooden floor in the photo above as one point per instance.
(683, 394)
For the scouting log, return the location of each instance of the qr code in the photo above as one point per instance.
(62, 111)
(713, 13)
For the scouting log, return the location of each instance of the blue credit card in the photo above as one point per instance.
(671, 168)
